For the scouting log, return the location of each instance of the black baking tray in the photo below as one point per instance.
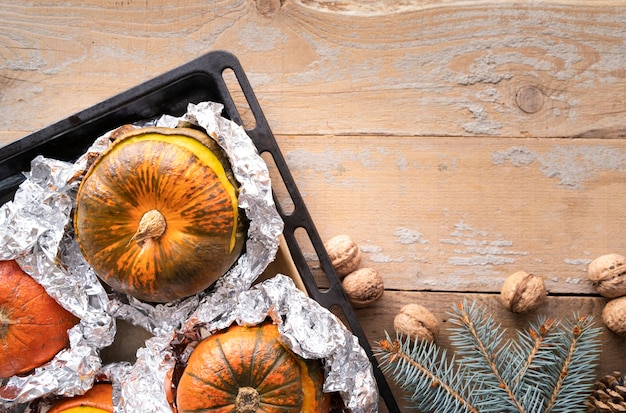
(199, 80)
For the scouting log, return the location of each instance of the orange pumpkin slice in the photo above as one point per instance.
(249, 369)
(33, 326)
(157, 215)
(98, 399)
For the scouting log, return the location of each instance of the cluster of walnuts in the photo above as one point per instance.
(363, 286)
(608, 275)
(521, 292)
(524, 292)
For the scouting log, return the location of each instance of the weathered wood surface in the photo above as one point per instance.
(445, 69)
(457, 214)
(456, 141)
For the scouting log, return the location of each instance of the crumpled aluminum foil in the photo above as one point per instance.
(306, 327)
(40, 238)
(255, 198)
(35, 230)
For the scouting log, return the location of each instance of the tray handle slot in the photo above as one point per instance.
(285, 204)
(239, 98)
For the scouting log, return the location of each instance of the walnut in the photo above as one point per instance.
(344, 254)
(523, 292)
(608, 275)
(418, 322)
(614, 315)
(363, 287)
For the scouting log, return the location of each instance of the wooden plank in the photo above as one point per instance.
(378, 319)
(459, 68)
(455, 214)
(373, 103)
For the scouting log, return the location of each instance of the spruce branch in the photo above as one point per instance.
(578, 358)
(549, 368)
(423, 370)
(478, 339)
(535, 346)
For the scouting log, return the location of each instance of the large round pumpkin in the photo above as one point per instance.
(98, 399)
(33, 326)
(247, 370)
(157, 215)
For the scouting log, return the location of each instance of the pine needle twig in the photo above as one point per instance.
(549, 369)
(433, 372)
(578, 357)
(535, 339)
(478, 340)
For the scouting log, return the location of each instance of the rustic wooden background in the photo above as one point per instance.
(455, 141)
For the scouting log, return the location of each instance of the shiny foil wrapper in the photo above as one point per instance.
(255, 197)
(36, 230)
(306, 327)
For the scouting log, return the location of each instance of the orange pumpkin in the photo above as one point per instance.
(33, 326)
(249, 369)
(98, 399)
(157, 214)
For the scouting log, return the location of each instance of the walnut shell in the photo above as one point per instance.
(608, 275)
(344, 254)
(614, 315)
(363, 287)
(418, 322)
(523, 292)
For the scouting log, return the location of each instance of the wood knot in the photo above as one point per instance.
(268, 8)
(529, 99)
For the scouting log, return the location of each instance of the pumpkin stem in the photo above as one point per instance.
(247, 400)
(151, 226)
(5, 321)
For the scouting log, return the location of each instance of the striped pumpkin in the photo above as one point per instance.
(157, 215)
(249, 369)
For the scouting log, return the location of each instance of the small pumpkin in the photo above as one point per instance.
(33, 326)
(247, 370)
(157, 215)
(98, 399)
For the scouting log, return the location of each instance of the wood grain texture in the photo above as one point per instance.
(454, 69)
(456, 214)
(457, 141)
